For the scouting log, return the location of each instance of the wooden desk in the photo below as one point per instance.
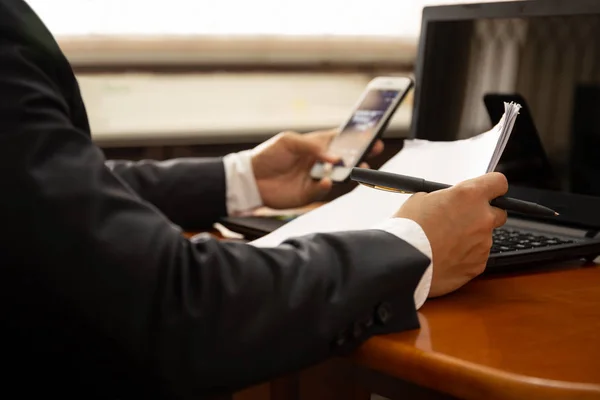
(522, 336)
(531, 335)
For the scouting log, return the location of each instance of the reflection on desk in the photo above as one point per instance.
(520, 336)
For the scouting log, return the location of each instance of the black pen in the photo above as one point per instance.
(408, 184)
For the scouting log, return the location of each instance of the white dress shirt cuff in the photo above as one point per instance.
(412, 233)
(242, 193)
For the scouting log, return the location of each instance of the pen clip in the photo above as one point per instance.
(385, 188)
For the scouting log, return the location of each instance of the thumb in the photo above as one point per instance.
(304, 145)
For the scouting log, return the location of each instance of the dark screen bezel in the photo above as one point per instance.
(583, 211)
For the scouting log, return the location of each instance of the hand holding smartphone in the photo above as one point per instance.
(365, 125)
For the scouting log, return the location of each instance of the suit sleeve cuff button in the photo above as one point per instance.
(383, 314)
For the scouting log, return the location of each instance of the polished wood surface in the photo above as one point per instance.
(520, 336)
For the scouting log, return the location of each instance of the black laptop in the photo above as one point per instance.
(471, 59)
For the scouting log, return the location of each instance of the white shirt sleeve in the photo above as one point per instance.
(412, 233)
(242, 193)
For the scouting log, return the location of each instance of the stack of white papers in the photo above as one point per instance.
(445, 162)
(505, 126)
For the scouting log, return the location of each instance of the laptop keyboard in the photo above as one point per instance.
(506, 240)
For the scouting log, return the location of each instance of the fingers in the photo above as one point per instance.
(317, 190)
(376, 149)
(500, 217)
(327, 158)
(364, 165)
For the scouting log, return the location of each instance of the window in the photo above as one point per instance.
(121, 33)
(267, 31)
(234, 17)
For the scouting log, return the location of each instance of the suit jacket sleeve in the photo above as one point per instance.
(191, 316)
(190, 192)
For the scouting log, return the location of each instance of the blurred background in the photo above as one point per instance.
(175, 78)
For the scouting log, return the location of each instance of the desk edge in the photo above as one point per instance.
(408, 363)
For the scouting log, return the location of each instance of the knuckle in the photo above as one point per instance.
(504, 217)
(466, 190)
(500, 217)
(480, 269)
(487, 243)
(418, 195)
(280, 137)
(287, 135)
(415, 198)
(475, 270)
(489, 220)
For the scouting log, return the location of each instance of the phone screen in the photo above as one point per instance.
(354, 138)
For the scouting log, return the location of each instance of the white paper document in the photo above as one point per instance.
(505, 126)
(445, 162)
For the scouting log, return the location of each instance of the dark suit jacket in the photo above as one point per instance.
(103, 297)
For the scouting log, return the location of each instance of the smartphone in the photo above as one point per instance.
(366, 124)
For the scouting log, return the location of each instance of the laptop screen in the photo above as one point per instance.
(472, 60)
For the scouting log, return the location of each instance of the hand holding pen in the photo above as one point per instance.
(408, 184)
(457, 223)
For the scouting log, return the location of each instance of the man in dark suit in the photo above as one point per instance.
(102, 295)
